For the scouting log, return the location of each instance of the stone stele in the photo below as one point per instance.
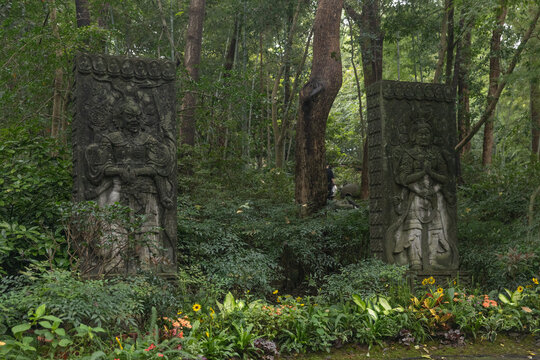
(124, 152)
(412, 171)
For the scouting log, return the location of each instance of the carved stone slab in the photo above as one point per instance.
(412, 171)
(124, 151)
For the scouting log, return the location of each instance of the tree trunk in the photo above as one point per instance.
(316, 99)
(364, 182)
(535, 117)
(192, 60)
(450, 43)
(442, 43)
(57, 118)
(83, 13)
(494, 74)
(534, 96)
(463, 113)
(371, 47)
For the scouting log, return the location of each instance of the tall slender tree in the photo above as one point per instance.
(494, 74)
(192, 60)
(371, 48)
(316, 99)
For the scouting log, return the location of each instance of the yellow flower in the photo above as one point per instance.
(298, 299)
(455, 282)
(425, 282)
(179, 312)
(207, 334)
(278, 299)
(520, 289)
(275, 292)
(535, 280)
(119, 343)
(301, 304)
(196, 307)
(440, 290)
(431, 280)
(2, 343)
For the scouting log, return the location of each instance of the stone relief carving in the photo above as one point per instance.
(419, 236)
(125, 153)
(414, 173)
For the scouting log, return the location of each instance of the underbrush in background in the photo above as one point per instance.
(499, 225)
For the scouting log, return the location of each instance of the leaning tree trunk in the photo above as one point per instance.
(494, 74)
(316, 99)
(192, 59)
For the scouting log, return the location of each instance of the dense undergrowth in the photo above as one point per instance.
(253, 278)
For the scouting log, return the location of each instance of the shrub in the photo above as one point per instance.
(113, 303)
(366, 278)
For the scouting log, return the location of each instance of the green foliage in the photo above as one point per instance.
(366, 278)
(34, 176)
(114, 303)
(496, 242)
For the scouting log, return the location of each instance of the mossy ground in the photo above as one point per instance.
(504, 347)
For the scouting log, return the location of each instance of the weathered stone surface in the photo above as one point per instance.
(124, 151)
(412, 174)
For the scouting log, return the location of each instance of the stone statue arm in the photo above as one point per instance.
(406, 174)
(438, 173)
(160, 160)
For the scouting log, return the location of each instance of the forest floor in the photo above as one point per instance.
(504, 347)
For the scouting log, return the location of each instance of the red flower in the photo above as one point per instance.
(152, 346)
(160, 355)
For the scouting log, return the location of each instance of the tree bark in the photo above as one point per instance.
(364, 182)
(534, 96)
(442, 43)
(492, 103)
(535, 117)
(450, 43)
(57, 114)
(494, 74)
(82, 10)
(463, 68)
(371, 47)
(192, 60)
(316, 99)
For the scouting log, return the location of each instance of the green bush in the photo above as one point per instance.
(115, 304)
(34, 176)
(496, 243)
(366, 278)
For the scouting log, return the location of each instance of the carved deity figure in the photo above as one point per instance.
(129, 166)
(419, 236)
